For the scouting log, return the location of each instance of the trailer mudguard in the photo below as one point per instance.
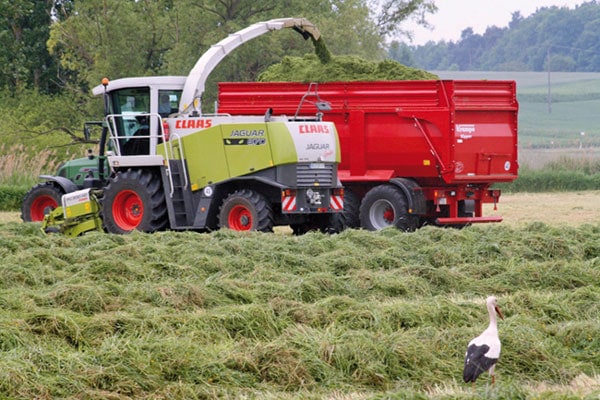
(414, 195)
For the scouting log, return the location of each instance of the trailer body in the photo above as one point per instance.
(441, 144)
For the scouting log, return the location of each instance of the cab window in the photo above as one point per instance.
(168, 102)
(130, 102)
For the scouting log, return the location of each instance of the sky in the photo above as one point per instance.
(453, 16)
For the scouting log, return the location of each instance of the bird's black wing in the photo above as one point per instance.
(476, 362)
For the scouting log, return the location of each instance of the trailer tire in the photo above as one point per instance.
(351, 213)
(39, 201)
(385, 206)
(246, 210)
(134, 199)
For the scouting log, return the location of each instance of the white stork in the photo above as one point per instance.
(483, 351)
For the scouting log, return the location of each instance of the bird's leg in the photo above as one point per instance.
(493, 374)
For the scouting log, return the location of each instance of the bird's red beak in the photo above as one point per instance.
(499, 312)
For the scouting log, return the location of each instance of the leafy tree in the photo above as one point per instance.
(24, 58)
(113, 38)
(390, 14)
(142, 37)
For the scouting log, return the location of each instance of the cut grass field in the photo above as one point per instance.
(517, 209)
(359, 315)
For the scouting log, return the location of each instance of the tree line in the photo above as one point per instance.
(555, 38)
(55, 46)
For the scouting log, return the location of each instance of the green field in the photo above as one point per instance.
(359, 315)
(574, 107)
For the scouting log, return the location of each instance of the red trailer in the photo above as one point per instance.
(413, 152)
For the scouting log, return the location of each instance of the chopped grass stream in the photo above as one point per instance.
(250, 315)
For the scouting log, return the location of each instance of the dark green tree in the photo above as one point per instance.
(402, 53)
(113, 38)
(24, 29)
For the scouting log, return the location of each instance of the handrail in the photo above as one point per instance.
(181, 157)
(169, 151)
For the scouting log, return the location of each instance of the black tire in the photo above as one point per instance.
(246, 210)
(134, 199)
(351, 213)
(39, 201)
(325, 223)
(384, 206)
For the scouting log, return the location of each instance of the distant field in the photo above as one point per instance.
(573, 109)
(524, 79)
(536, 158)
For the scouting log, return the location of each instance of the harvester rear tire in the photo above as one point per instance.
(385, 206)
(39, 201)
(246, 210)
(134, 199)
(351, 209)
(324, 223)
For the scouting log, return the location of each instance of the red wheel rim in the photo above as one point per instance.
(388, 215)
(128, 210)
(41, 206)
(240, 219)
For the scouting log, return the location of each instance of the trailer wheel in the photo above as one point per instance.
(245, 210)
(39, 201)
(385, 206)
(134, 199)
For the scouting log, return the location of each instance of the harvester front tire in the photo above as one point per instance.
(39, 201)
(385, 206)
(134, 199)
(246, 210)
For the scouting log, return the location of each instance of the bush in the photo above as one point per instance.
(552, 181)
(19, 167)
(11, 197)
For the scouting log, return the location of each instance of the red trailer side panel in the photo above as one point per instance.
(437, 132)
(485, 131)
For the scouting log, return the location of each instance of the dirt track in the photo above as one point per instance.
(566, 209)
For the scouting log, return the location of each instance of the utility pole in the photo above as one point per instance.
(549, 89)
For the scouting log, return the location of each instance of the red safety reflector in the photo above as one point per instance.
(288, 203)
(336, 203)
(166, 131)
(288, 192)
